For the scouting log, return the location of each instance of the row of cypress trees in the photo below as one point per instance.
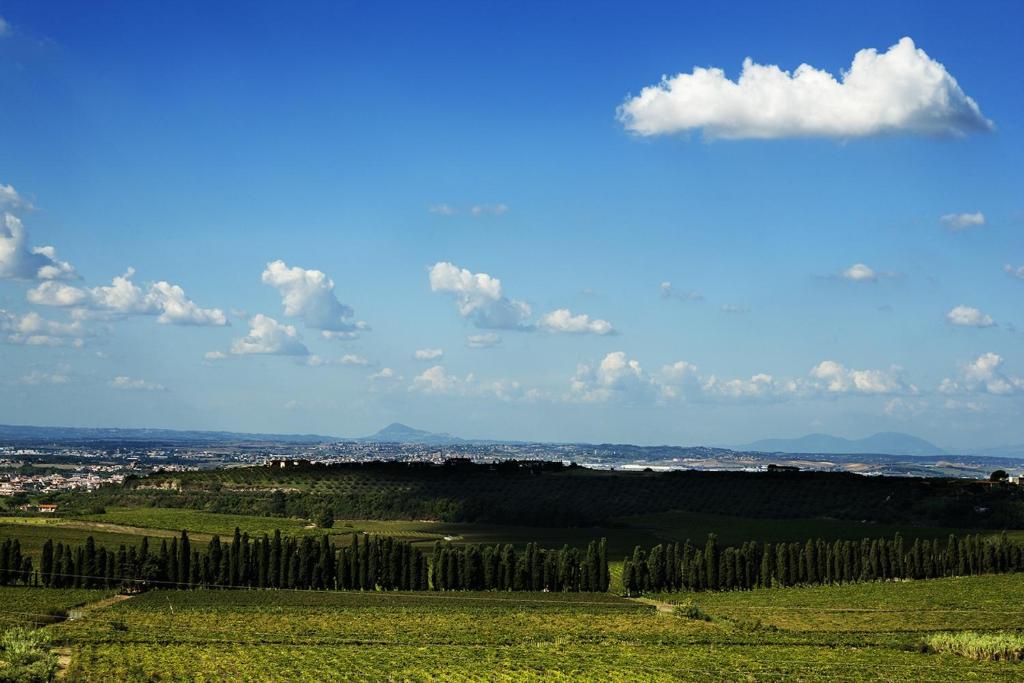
(366, 563)
(500, 567)
(14, 567)
(675, 567)
(266, 562)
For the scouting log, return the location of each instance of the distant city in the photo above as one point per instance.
(47, 460)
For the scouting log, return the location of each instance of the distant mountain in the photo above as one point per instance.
(396, 432)
(40, 435)
(884, 443)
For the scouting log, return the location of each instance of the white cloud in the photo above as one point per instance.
(267, 336)
(562, 320)
(837, 379)
(385, 375)
(484, 209)
(122, 297)
(436, 380)
(615, 377)
(670, 292)
(215, 355)
(428, 354)
(962, 221)
(126, 383)
(10, 198)
(31, 329)
(36, 378)
(859, 272)
(761, 384)
(735, 308)
(348, 359)
(487, 340)
(20, 261)
(1014, 272)
(309, 294)
(5, 28)
(967, 316)
(901, 90)
(479, 297)
(442, 209)
(983, 375)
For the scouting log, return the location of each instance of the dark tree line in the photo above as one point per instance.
(366, 563)
(676, 567)
(500, 567)
(15, 568)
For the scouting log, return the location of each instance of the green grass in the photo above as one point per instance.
(785, 634)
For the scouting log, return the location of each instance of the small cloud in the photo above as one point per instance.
(428, 354)
(484, 209)
(126, 383)
(385, 375)
(442, 209)
(670, 292)
(267, 336)
(735, 308)
(122, 297)
(966, 316)
(963, 221)
(836, 378)
(479, 298)
(354, 359)
(36, 378)
(5, 28)
(563, 321)
(483, 341)
(309, 294)
(215, 355)
(859, 272)
(1017, 272)
(983, 375)
(436, 380)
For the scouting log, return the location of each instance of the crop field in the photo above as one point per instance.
(863, 632)
(32, 606)
(198, 521)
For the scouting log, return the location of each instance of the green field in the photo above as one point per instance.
(33, 606)
(863, 632)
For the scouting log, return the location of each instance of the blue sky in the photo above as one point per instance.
(718, 264)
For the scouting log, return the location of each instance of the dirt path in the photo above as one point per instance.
(64, 653)
(659, 607)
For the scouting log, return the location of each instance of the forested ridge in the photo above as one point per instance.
(550, 494)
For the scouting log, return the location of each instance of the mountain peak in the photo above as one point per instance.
(396, 432)
(882, 443)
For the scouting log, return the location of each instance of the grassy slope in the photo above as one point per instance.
(334, 636)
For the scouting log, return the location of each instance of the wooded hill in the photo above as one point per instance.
(550, 494)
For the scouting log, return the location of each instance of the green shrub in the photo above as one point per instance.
(25, 656)
(998, 646)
